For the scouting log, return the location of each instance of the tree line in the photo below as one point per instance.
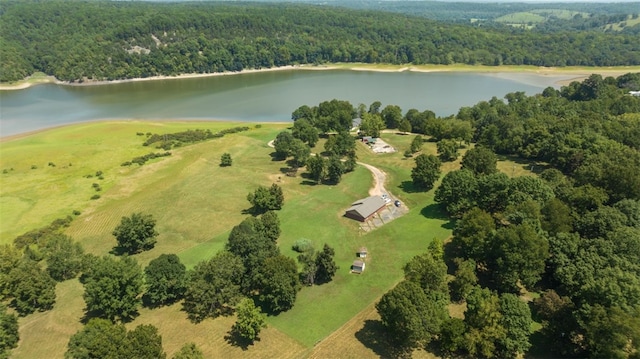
(570, 234)
(108, 41)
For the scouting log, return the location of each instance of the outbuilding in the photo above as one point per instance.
(362, 252)
(357, 266)
(363, 209)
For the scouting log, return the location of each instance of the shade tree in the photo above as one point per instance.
(411, 317)
(457, 192)
(282, 144)
(165, 279)
(136, 233)
(9, 334)
(64, 257)
(113, 288)
(303, 129)
(265, 199)
(480, 161)
(278, 283)
(426, 171)
(392, 115)
(213, 287)
(101, 338)
(30, 288)
(250, 242)
(447, 150)
(250, 321)
(371, 125)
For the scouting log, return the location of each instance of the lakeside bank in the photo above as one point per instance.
(579, 72)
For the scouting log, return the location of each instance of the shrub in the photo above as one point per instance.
(33, 167)
(95, 196)
(302, 245)
(51, 164)
(76, 212)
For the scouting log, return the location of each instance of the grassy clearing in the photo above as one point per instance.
(196, 203)
(521, 18)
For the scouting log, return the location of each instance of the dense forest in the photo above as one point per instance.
(78, 41)
(567, 241)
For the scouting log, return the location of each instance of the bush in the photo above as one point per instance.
(76, 212)
(302, 245)
(225, 160)
(95, 196)
(33, 167)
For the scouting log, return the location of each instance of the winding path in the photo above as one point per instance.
(379, 177)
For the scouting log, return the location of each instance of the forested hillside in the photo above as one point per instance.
(77, 41)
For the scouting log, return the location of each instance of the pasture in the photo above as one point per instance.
(196, 203)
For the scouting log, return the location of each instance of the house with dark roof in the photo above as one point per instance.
(363, 209)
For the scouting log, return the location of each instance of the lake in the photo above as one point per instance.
(255, 97)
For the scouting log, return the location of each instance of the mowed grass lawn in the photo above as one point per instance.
(196, 203)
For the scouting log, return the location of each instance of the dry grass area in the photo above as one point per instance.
(209, 336)
(46, 334)
(361, 337)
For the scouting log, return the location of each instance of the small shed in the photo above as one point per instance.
(357, 266)
(362, 252)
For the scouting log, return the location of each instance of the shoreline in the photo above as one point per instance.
(580, 73)
(17, 136)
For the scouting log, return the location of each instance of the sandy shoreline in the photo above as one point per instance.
(580, 73)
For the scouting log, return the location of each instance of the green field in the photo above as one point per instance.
(196, 203)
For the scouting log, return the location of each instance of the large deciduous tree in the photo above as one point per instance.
(144, 342)
(64, 257)
(410, 316)
(282, 144)
(457, 192)
(303, 130)
(213, 287)
(484, 323)
(30, 287)
(447, 150)
(9, 335)
(392, 115)
(101, 338)
(317, 167)
(113, 287)
(165, 279)
(426, 171)
(250, 243)
(136, 233)
(279, 283)
(371, 125)
(266, 199)
(480, 160)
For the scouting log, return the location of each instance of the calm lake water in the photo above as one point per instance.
(254, 97)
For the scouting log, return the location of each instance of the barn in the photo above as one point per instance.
(363, 209)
